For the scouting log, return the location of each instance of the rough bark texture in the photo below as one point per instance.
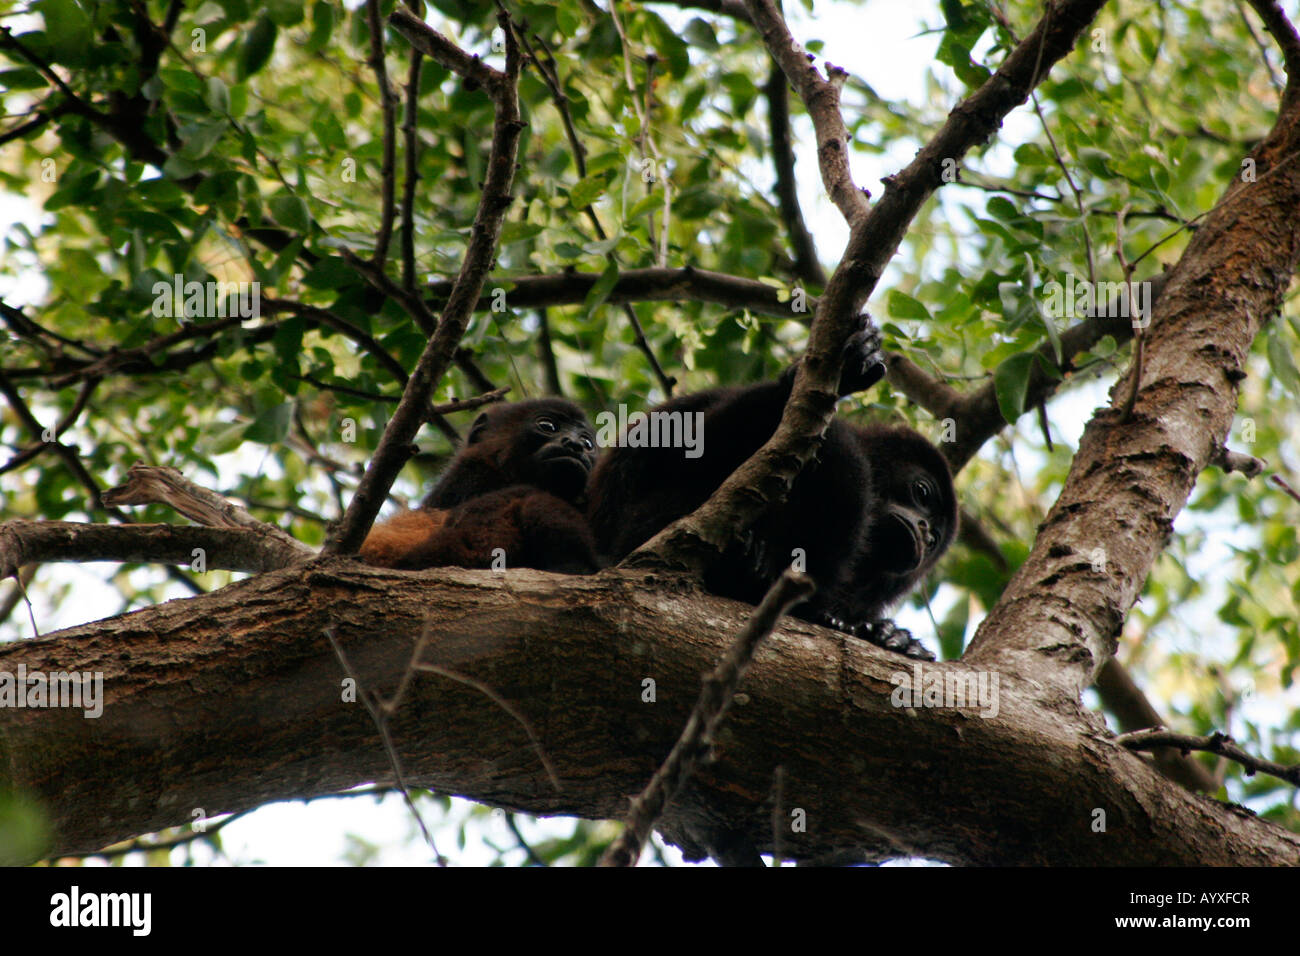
(233, 699)
(1057, 618)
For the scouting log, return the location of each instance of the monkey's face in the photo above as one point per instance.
(912, 528)
(545, 442)
(914, 507)
(564, 451)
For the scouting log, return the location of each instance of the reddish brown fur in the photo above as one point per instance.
(504, 503)
(389, 543)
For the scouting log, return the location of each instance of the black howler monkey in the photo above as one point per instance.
(871, 515)
(516, 486)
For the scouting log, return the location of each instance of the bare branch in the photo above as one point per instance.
(639, 285)
(225, 549)
(1215, 743)
(1288, 41)
(395, 445)
(388, 108)
(379, 713)
(1121, 696)
(806, 264)
(821, 97)
(411, 157)
(443, 51)
(147, 484)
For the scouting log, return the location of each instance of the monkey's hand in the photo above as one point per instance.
(864, 359)
(882, 633)
(887, 634)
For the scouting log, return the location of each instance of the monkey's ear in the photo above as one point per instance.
(477, 430)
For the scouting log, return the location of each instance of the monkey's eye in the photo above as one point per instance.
(922, 493)
(587, 443)
(546, 425)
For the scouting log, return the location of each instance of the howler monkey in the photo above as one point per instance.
(870, 515)
(515, 486)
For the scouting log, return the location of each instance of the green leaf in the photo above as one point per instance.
(330, 273)
(1281, 361)
(285, 13)
(691, 101)
(218, 95)
(322, 16)
(700, 34)
(1011, 383)
(903, 306)
(953, 14)
(178, 167)
(67, 29)
(25, 834)
(291, 212)
(220, 187)
(329, 132)
(222, 441)
(288, 340)
(21, 79)
(271, 427)
(199, 138)
(600, 291)
(1003, 208)
(256, 48)
(587, 190)
(519, 231)
(568, 19)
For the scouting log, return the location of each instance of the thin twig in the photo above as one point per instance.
(375, 707)
(388, 107)
(505, 705)
(411, 157)
(705, 718)
(1215, 743)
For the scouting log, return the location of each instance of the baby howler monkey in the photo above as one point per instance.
(514, 490)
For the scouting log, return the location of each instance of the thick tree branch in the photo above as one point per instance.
(1059, 614)
(223, 701)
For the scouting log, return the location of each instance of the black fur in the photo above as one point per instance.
(858, 514)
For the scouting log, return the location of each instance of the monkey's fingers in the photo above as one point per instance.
(891, 637)
(864, 358)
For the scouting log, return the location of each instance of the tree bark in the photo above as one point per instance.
(233, 699)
